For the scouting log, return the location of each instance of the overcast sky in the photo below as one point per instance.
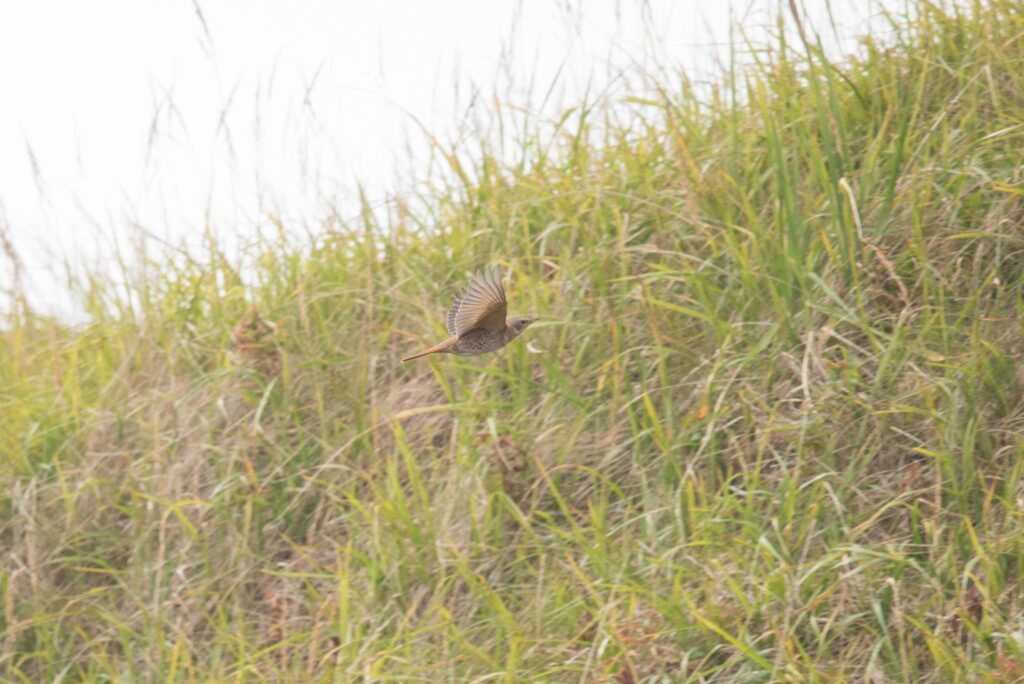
(176, 115)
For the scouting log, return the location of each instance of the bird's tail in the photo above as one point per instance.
(436, 349)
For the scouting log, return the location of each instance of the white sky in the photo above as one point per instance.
(118, 115)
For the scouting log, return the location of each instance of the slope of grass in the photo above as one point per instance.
(774, 433)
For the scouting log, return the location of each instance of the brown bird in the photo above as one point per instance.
(476, 319)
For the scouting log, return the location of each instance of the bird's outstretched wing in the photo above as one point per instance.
(481, 305)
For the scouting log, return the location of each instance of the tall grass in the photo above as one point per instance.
(774, 433)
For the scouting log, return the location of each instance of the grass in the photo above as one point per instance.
(775, 433)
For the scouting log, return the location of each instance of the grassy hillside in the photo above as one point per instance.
(775, 433)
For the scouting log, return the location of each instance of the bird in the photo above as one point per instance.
(477, 319)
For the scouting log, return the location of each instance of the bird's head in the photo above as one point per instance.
(520, 323)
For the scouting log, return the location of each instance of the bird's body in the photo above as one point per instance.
(476, 341)
(476, 320)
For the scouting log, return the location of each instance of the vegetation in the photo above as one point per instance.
(774, 433)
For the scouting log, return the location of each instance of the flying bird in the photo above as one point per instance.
(476, 320)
